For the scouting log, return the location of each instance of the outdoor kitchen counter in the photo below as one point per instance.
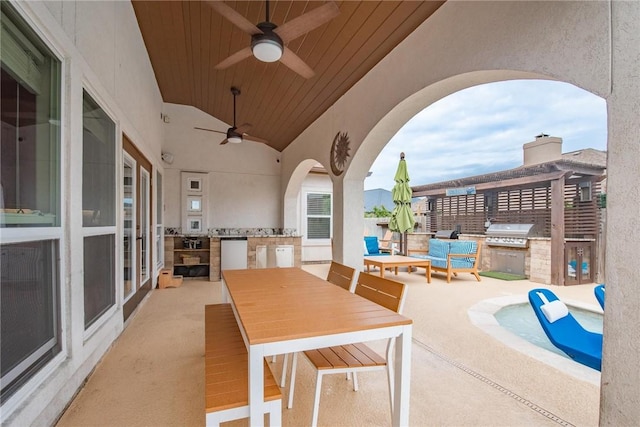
(252, 242)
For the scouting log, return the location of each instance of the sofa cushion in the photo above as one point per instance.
(438, 248)
(435, 261)
(461, 263)
(463, 247)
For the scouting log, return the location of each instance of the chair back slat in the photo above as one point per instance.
(386, 292)
(341, 275)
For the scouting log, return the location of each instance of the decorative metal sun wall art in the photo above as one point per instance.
(339, 153)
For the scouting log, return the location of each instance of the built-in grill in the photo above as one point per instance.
(446, 234)
(508, 235)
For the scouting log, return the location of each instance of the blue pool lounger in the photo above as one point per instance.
(599, 292)
(564, 331)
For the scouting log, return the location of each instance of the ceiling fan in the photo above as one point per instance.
(236, 134)
(268, 40)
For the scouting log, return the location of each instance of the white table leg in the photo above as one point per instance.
(402, 378)
(225, 292)
(256, 385)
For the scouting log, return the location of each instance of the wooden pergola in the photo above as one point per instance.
(562, 198)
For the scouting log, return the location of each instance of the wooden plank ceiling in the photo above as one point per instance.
(186, 39)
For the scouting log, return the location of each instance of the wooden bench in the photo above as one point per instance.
(226, 371)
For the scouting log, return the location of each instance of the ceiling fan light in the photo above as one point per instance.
(267, 50)
(234, 139)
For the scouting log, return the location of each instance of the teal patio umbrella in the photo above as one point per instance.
(402, 219)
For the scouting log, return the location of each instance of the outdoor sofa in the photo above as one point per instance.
(451, 256)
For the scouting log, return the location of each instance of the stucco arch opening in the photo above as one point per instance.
(382, 132)
(292, 191)
(398, 116)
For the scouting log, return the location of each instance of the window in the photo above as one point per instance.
(98, 208)
(30, 310)
(29, 198)
(99, 280)
(99, 166)
(30, 141)
(318, 216)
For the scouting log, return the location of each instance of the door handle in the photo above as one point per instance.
(139, 238)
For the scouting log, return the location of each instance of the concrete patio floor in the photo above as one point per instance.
(461, 375)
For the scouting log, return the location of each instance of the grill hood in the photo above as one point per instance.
(509, 230)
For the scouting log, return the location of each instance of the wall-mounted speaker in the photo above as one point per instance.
(167, 158)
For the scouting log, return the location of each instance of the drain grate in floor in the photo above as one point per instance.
(497, 386)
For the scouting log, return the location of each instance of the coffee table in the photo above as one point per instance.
(395, 261)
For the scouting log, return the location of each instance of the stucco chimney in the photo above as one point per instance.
(544, 149)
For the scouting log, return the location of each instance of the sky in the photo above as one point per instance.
(482, 129)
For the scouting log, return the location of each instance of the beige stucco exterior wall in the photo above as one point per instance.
(593, 45)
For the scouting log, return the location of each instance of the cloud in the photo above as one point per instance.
(482, 129)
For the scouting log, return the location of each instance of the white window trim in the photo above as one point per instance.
(305, 216)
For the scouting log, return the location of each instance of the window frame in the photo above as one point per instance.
(55, 233)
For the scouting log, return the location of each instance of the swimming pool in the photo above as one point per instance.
(522, 321)
(483, 316)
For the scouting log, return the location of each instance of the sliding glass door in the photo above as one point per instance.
(137, 202)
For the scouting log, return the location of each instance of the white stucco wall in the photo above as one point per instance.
(244, 179)
(102, 51)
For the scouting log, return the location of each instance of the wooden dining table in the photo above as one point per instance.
(285, 310)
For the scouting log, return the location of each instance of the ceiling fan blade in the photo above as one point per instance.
(211, 130)
(224, 141)
(243, 128)
(294, 62)
(309, 21)
(254, 138)
(234, 17)
(235, 58)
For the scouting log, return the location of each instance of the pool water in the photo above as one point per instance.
(522, 321)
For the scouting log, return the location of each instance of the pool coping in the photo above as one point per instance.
(482, 316)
